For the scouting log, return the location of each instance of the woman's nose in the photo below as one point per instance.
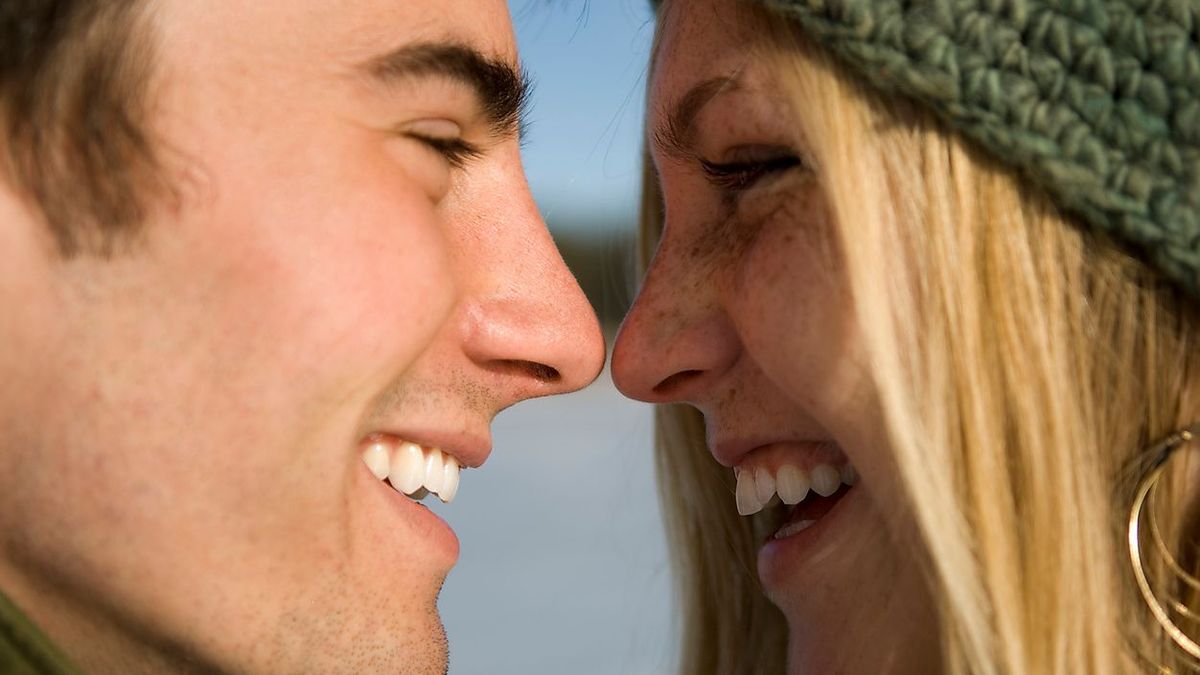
(676, 340)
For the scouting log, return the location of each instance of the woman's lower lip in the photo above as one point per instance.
(779, 559)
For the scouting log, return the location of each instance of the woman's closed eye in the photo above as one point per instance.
(740, 175)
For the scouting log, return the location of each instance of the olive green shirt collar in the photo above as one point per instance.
(25, 650)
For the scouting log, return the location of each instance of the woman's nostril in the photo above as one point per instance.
(673, 382)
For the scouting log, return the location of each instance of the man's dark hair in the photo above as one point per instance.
(74, 81)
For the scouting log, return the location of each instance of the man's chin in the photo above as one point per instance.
(439, 662)
(415, 647)
(430, 656)
(339, 631)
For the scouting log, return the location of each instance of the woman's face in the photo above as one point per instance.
(744, 314)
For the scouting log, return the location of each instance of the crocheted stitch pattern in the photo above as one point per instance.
(1096, 101)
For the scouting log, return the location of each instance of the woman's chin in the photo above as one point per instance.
(855, 601)
(900, 638)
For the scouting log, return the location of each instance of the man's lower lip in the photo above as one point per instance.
(778, 559)
(424, 525)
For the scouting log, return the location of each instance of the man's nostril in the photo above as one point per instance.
(538, 371)
(544, 372)
(673, 382)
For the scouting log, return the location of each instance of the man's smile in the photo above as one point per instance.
(413, 470)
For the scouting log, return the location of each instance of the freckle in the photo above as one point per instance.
(695, 252)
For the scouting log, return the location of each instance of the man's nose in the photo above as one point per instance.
(527, 320)
(677, 340)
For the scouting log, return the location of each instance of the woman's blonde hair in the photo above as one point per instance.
(1021, 364)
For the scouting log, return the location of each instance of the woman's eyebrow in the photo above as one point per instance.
(675, 137)
(501, 89)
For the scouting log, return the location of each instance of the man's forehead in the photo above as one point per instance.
(340, 31)
(371, 26)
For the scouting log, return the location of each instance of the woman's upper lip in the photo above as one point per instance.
(731, 451)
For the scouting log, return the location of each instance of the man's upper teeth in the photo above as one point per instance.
(411, 468)
(377, 459)
(756, 486)
(406, 471)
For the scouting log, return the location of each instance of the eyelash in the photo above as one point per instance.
(736, 177)
(457, 152)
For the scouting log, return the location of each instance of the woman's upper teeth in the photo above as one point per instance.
(410, 468)
(757, 485)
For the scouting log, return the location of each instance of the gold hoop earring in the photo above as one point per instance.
(1155, 465)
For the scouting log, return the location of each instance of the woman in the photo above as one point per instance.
(925, 274)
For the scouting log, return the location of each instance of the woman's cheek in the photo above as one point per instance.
(794, 312)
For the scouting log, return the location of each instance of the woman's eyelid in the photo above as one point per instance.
(748, 154)
(741, 168)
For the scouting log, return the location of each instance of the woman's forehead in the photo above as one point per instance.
(699, 42)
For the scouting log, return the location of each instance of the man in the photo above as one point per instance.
(252, 255)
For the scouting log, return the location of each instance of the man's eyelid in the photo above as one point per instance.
(439, 128)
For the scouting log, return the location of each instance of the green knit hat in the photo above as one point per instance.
(1097, 101)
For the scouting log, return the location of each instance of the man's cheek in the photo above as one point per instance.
(365, 315)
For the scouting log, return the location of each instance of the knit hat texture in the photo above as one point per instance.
(1096, 101)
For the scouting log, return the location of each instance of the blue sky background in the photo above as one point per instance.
(588, 60)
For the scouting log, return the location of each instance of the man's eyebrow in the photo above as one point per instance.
(502, 89)
(675, 137)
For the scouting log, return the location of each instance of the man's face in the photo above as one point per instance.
(182, 425)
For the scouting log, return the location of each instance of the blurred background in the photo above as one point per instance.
(563, 566)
